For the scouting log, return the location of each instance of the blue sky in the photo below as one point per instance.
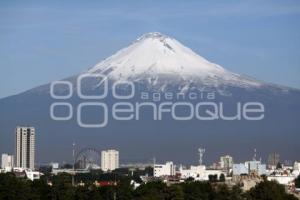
(41, 41)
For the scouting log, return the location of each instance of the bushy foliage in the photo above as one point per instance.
(269, 190)
(297, 182)
(13, 188)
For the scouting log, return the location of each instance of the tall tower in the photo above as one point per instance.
(201, 153)
(273, 160)
(109, 160)
(25, 147)
(254, 156)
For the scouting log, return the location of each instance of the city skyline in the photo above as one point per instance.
(109, 158)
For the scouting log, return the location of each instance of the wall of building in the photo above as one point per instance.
(167, 169)
(109, 160)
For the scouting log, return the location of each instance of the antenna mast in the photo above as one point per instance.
(201, 153)
(73, 174)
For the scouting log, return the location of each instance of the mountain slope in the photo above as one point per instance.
(156, 62)
(155, 55)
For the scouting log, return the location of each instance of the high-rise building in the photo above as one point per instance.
(25, 147)
(226, 162)
(109, 160)
(7, 162)
(273, 160)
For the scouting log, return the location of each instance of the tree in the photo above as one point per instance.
(268, 190)
(279, 165)
(62, 187)
(213, 178)
(149, 171)
(222, 178)
(236, 193)
(151, 190)
(95, 193)
(264, 177)
(297, 182)
(41, 189)
(12, 187)
(124, 189)
(198, 190)
(190, 179)
(222, 192)
(82, 193)
(175, 192)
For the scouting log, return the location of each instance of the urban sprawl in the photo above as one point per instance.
(247, 174)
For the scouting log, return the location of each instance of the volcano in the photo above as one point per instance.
(156, 63)
(155, 55)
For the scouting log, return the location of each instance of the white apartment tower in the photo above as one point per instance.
(109, 160)
(25, 147)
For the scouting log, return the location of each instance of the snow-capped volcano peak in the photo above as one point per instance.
(155, 55)
(153, 35)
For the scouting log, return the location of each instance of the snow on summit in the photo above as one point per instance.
(155, 55)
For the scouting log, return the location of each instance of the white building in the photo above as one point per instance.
(70, 171)
(212, 172)
(226, 162)
(109, 160)
(198, 173)
(238, 169)
(296, 166)
(32, 175)
(167, 169)
(7, 162)
(256, 166)
(284, 180)
(249, 167)
(25, 147)
(54, 165)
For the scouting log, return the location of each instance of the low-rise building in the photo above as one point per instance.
(212, 172)
(54, 165)
(249, 167)
(284, 180)
(69, 171)
(296, 167)
(199, 173)
(238, 169)
(195, 172)
(32, 175)
(167, 169)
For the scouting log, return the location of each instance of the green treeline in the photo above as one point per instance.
(12, 188)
